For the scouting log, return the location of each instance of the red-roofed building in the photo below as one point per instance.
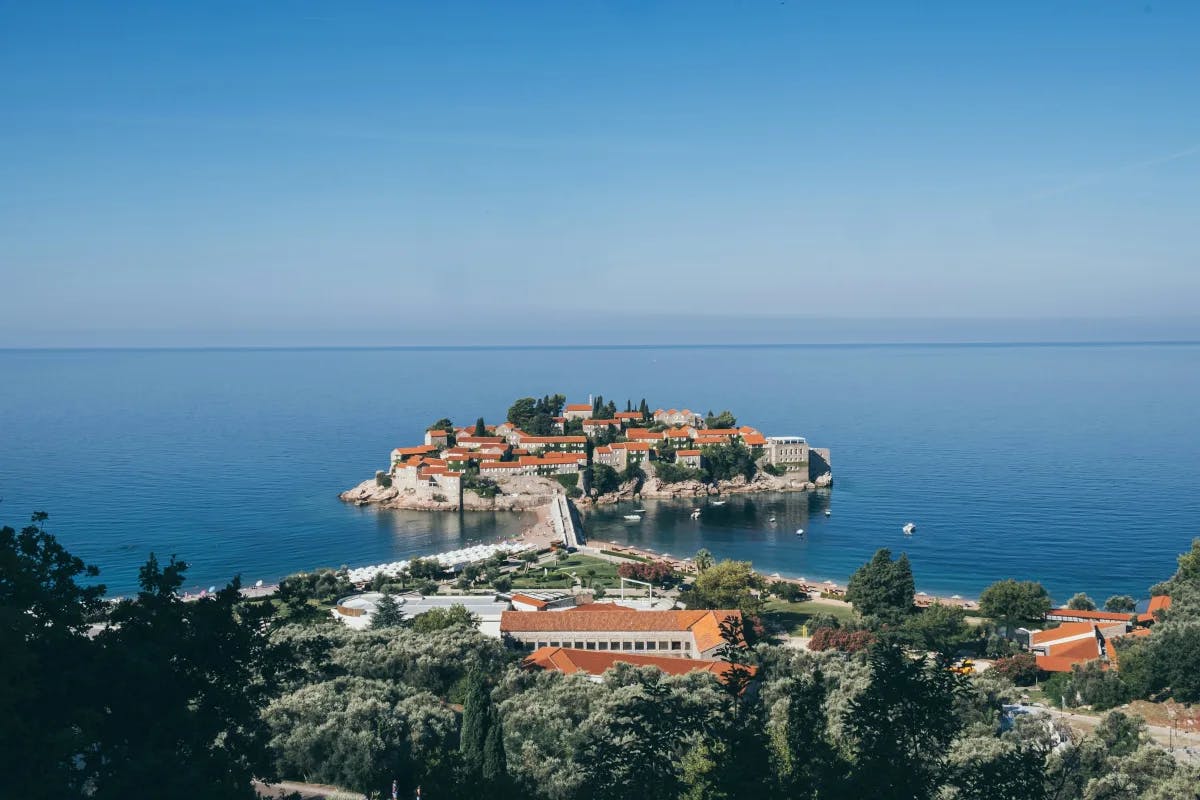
(568, 444)
(578, 411)
(1158, 605)
(476, 442)
(401, 453)
(594, 426)
(1058, 649)
(643, 435)
(677, 634)
(689, 458)
(594, 664)
(437, 437)
(1078, 615)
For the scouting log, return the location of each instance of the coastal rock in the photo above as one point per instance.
(368, 492)
(625, 492)
(516, 494)
(824, 480)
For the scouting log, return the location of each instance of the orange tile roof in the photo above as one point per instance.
(438, 432)
(592, 662)
(1160, 602)
(600, 607)
(720, 431)
(1100, 615)
(704, 624)
(527, 600)
(1070, 654)
(643, 433)
(579, 407)
(553, 439)
(502, 465)
(629, 415)
(638, 446)
(754, 439)
(604, 450)
(414, 451)
(1062, 632)
(593, 422)
(687, 452)
(678, 433)
(481, 440)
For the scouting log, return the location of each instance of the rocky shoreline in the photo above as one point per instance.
(528, 493)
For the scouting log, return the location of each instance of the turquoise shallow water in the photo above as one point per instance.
(1074, 465)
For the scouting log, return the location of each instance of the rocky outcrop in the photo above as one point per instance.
(762, 482)
(517, 494)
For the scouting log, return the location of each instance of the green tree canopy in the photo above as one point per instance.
(480, 427)
(724, 420)
(728, 585)
(940, 629)
(883, 588)
(1120, 603)
(1081, 602)
(442, 424)
(1011, 602)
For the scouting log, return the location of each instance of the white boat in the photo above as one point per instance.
(828, 512)
(633, 518)
(771, 520)
(639, 511)
(799, 531)
(908, 528)
(717, 503)
(695, 513)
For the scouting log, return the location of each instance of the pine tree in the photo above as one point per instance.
(480, 428)
(387, 613)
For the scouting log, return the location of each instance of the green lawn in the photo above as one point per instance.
(605, 574)
(790, 617)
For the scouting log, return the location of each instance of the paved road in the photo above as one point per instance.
(1184, 745)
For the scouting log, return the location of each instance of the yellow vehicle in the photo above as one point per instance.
(964, 667)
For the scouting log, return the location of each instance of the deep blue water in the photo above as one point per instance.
(1074, 465)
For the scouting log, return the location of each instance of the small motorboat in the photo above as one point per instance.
(639, 511)
(633, 518)
(717, 503)
(695, 513)
(828, 512)
(908, 528)
(771, 520)
(799, 531)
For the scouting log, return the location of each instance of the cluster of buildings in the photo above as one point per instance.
(437, 467)
(1082, 636)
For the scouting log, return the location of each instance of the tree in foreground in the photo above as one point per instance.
(481, 742)
(387, 613)
(47, 708)
(1011, 602)
(900, 727)
(729, 584)
(883, 588)
(806, 764)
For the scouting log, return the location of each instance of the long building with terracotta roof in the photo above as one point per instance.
(675, 634)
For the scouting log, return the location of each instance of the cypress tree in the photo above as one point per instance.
(495, 764)
(475, 723)
(480, 428)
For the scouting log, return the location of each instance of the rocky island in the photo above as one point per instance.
(593, 453)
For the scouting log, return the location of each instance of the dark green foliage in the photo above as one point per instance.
(387, 613)
(940, 629)
(725, 462)
(46, 664)
(442, 424)
(184, 684)
(778, 470)
(786, 590)
(632, 472)
(483, 486)
(1012, 602)
(301, 591)
(481, 743)
(900, 727)
(806, 763)
(726, 585)
(723, 420)
(480, 428)
(1097, 687)
(439, 619)
(678, 473)
(1081, 602)
(604, 479)
(883, 588)
(1120, 603)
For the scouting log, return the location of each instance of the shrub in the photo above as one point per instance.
(653, 572)
(778, 470)
(438, 497)
(788, 591)
(677, 473)
(1021, 668)
(569, 481)
(841, 640)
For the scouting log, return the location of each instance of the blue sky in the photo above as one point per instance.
(409, 173)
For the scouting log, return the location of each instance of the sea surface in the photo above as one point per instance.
(1075, 465)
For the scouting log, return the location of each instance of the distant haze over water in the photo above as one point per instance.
(1070, 464)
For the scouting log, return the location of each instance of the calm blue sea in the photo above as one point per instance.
(1075, 465)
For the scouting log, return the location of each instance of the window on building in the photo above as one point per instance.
(614, 645)
(626, 645)
(555, 644)
(603, 645)
(591, 645)
(676, 645)
(651, 645)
